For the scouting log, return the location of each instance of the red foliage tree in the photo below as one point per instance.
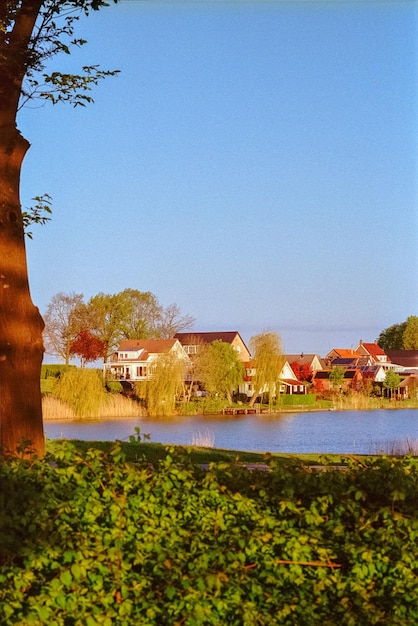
(306, 372)
(296, 369)
(88, 347)
(301, 372)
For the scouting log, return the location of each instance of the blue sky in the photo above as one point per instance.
(253, 162)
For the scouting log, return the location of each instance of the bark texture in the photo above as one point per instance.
(21, 325)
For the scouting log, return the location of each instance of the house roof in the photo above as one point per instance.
(301, 358)
(153, 346)
(409, 381)
(373, 349)
(190, 339)
(292, 381)
(345, 361)
(406, 358)
(344, 353)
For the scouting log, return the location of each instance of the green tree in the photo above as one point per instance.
(392, 381)
(392, 337)
(268, 363)
(142, 314)
(220, 369)
(31, 33)
(106, 315)
(336, 377)
(410, 335)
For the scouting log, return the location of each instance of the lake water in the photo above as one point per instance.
(340, 432)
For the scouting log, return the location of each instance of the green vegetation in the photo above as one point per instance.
(304, 400)
(402, 336)
(137, 449)
(160, 391)
(221, 369)
(268, 363)
(88, 538)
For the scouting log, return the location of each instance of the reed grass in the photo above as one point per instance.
(203, 439)
(397, 447)
(54, 409)
(118, 406)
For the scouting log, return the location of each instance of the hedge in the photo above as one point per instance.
(299, 400)
(88, 539)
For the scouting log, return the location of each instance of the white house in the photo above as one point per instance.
(134, 357)
(287, 384)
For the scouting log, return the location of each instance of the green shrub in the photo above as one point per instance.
(88, 539)
(114, 386)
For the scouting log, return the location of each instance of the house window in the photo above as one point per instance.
(190, 349)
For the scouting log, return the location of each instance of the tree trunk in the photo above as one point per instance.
(253, 398)
(21, 325)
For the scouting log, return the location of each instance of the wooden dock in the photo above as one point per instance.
(243, 411)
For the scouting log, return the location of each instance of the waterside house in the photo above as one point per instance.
(134, 358)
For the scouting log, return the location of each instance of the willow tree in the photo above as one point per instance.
(268, 363)
(31, 33)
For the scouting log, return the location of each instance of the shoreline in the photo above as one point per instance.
(238, 412)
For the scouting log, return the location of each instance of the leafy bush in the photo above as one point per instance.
(88, 539)
(114, 386)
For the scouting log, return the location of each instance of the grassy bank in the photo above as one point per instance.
(151, 452)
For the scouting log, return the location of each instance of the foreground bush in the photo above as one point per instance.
(87, 539)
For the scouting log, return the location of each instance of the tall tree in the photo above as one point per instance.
(64, 319)
(172, 322)
(106, 315)
(268, 363)
(392, 337)
(31, 32)
(410, 335)
(142, 314)
(220, 369)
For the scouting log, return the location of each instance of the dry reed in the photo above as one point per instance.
(114, 406)
(204, 439)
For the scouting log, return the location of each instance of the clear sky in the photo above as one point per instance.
(253, 162)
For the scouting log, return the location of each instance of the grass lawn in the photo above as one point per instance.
(153, 452)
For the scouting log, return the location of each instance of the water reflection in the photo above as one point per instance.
(344, 432)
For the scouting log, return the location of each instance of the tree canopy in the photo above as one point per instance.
(403, 336)
(410, 335)
(109, 318)
(220, 369)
